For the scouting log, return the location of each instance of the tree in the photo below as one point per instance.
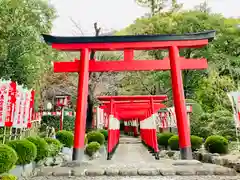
(222, 53)
(212, 93)
(24, 58)
(22, 51)
(157, 6)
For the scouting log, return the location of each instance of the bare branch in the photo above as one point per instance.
(77, 26)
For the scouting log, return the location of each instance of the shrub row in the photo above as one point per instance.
(213, 144)
(21, 152)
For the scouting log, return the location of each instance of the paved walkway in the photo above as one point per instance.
(133, 161)
(131, 150)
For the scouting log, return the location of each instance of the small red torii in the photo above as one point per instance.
(173, 43)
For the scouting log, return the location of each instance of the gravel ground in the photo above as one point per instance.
(141, 178)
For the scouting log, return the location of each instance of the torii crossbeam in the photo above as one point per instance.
(174, 63)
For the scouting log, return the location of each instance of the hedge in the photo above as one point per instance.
(105, 133)
(42, 147)
(96, 136)
(65, 137)
(8, 158)
(216, 144)
(163, 138)
(92, 147)
(173, 143)
(8, 177)
(26, 151)
(54, 146)
(196, 142)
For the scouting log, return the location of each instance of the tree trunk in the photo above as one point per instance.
(90, 100)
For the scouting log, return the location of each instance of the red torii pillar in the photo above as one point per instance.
(128, 44)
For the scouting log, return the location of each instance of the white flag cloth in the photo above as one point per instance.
(234, 98)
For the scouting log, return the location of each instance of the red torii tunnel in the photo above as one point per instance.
(136, 109)
(127, 44)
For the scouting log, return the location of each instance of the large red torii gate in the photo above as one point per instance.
(128, 44)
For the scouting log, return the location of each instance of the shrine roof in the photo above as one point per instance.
(49, 39)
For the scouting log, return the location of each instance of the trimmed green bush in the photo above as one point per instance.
(8, 177)
(96, 136)
(65, 137)
(92, 147)
(163, 139)
(42, 147)
(54, 146)
(216, 144)
(26, 151)
(196, 142)
(173, 143)
(8, 158)
(105, 133)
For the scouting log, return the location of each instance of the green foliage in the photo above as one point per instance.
(68, 123)
(208, 88)
(92, 147)
(54, 146)
(8, 158)
(105, 133)
(24, 57)
(216, 123)
(96, 136)
(157, 6)
(173, 143)
(212, 92)
(42, 147)
(197, 110)
(163, 138)
(216, 144)
(26, 151)
(223, 124)
(8, 177)
(53, 121)
(196, 142)
(65, 137)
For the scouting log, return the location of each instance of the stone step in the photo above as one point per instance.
(129, 142)
(158, 170)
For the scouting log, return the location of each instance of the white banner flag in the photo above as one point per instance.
(234, 98)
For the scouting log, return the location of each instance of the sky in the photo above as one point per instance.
(116, 14)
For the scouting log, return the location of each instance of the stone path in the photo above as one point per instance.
(131, 150)
(141, 178)
(132, 159)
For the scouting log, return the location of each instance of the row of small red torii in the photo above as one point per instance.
(165, 118)
(127, 44)
(141, 108)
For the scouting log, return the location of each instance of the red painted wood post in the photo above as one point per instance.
(179, 103)
(154, 133)
(110, 131)
(80, 122)
(61, 119)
